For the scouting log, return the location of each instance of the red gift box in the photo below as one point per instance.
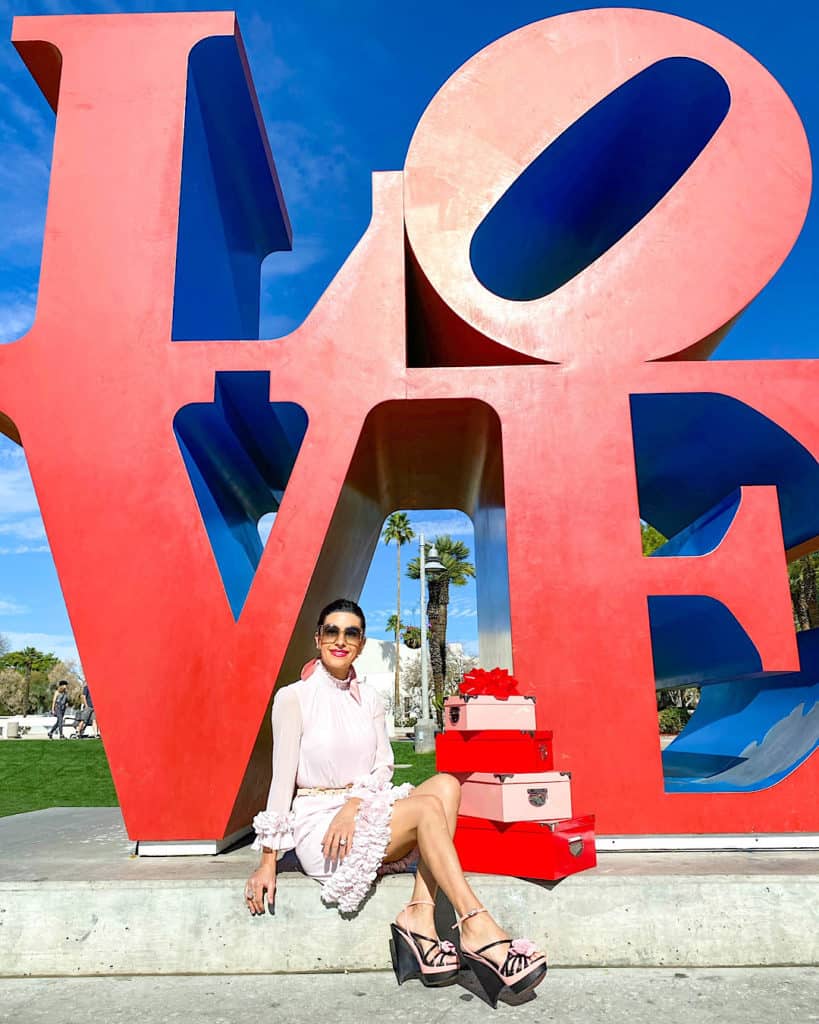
(470, 713)
(494, 750)
(533, 796)
(526, 849)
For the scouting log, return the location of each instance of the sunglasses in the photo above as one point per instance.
(352, 634)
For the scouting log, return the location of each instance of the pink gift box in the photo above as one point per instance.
(467, 713)
(540, 796)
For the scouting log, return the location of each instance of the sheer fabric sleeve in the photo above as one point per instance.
(380, 775)
(274, 825)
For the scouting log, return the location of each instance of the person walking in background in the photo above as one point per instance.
(59, 705)
(86, 716)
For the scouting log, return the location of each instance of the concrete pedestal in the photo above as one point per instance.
(425, 735)
(76, 900)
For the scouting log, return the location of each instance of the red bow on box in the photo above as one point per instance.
(496, 683)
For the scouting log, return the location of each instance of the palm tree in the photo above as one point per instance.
(398, 529)
(394, 623)
(454, 556)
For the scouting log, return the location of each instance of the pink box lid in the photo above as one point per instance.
(522, 778)
(464, 698)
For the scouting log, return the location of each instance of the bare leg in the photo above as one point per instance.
(421, 919)
(421, 818)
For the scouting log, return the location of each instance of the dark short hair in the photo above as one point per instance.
(63, 682)
(341, 604)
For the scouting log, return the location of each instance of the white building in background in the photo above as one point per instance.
(377, 663)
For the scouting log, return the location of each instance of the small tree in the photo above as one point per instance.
(412, 637)
(458, 664)
(26, 662)
(12, 686)
(652, 539)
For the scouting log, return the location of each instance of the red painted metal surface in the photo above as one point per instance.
(537, 447)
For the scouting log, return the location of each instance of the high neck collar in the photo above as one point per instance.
(350, 683)
(342, 684)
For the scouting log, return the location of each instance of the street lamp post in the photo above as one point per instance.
(425, 726)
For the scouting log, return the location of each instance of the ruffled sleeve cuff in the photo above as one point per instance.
(273, 830)
(377, 781)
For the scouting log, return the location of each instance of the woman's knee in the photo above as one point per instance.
(449, 789)
(429, 805)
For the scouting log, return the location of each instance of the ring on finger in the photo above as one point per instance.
(342, 842)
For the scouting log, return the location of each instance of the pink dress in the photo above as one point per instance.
(329, 733)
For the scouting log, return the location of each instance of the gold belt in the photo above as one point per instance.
(318, 790)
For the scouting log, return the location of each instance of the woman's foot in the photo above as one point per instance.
(418, 919)
(479, 931)
(500, 964)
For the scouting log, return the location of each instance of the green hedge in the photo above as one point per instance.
(673, 720)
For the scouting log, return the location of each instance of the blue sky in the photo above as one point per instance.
(341, 87)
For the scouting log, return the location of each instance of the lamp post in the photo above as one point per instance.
(425, 726)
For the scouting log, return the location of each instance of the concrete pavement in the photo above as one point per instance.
(602, 996)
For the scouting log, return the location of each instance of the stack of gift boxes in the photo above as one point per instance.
(516, 810)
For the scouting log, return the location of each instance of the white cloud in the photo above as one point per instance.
(305, 254)
(380, 615)
(61, 644)
(265, 525)
(37, 119)
(461, 611)
(273, 325)
(19, 513)
(308, 170)
(455, 524)
(17, 497)
(12, 607)
(270, 72)
(30, 528)
(16, 314)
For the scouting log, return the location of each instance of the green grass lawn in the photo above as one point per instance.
(37, 774)
(422, 766)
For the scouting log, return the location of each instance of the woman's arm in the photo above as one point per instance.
(274, 825)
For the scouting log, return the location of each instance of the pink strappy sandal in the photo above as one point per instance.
(523, 968)
(433, 966)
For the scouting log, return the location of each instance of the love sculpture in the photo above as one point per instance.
(585, 209)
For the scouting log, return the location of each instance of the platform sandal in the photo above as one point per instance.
(523, 968)
(411, 960)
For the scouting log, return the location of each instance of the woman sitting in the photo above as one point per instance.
(332, 800)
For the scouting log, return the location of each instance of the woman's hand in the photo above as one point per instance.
(338, 840)
(260, 888)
